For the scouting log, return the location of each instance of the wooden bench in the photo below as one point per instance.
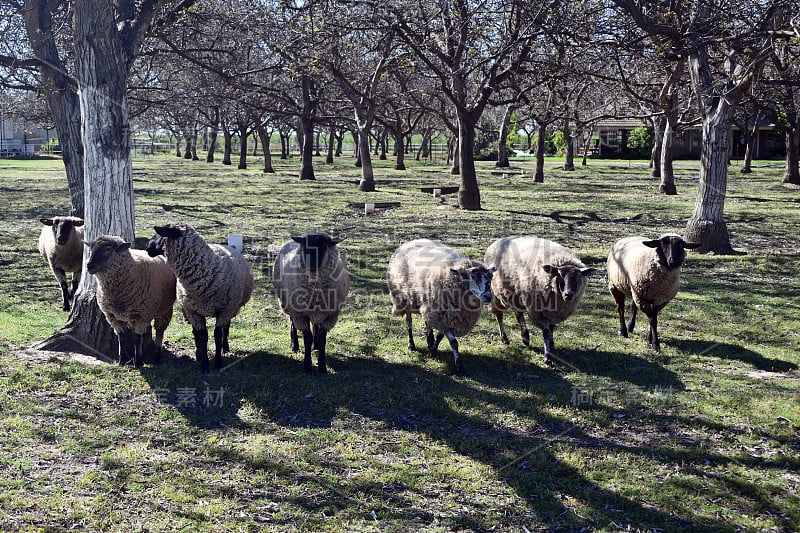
(444, 190)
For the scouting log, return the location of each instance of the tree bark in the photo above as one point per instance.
(101, 63)
(707, 225)
(227, 146)
(569, 155)
(212, 145)
(791, 173)
(309, 89)
(400, 149)
(469, 195)
(331, 145)
(659, 123)
(364, 122)
(502, 140)
(243, 127)
(265, 138)
(538, 175)
(667, 185)
(61, 95)
(187, 149)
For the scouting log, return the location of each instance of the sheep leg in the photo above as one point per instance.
(632, 321)
(456, 356)
(219, 343)
(138, 361)
(308, 344)
(498, 315)
(619, 302)
(225, 331)
(61, 278)
(201, 347)
(652, 334)
(439, 337)
(295, 344)
(409, 327)
(523, 328)
(430, 340)
(320, 340)
(549, 346)
(76, 280)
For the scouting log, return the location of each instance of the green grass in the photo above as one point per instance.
(702, 436)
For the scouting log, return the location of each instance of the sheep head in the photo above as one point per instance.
(671, 249)
(62, 227)
(480, 281)
(315, 246)
(571, 279)
(102, 249)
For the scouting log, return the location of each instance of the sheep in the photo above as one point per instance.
(133, 290)
(213, 281)
(649, 272)
(311, 281)
(447, 289)
(60, 247)
(537, 276)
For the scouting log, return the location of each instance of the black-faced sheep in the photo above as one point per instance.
(61, 248)
(649, 272)
(133, 290)
(446, 288)
(311, 281)
(538, 277)
(213, 281)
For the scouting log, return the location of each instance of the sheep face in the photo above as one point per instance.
(155, 246)
(315, 246)
(480, 281)
(62, 227)
(671, 250)
(571, 280)
(102, 249)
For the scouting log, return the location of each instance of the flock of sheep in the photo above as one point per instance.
(523, 275)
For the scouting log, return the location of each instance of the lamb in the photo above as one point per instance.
(537, 276)
(649, 272)
(133, 290)
(213, 281)
(312, 282)
(446, 288)
(60, 246)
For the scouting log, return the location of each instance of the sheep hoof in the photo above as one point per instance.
(526, 341)
(504, 339)
(412, 346)
(323, 369)
(623, 333)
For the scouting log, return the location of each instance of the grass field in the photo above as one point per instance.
(702, 436)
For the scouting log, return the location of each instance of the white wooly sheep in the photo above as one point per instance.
(538, 277)
(311, 281)
(133, 290)
(648, 271)
(444, 287)
(61, 248)
(213, 281)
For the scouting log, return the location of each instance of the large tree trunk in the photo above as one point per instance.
(569, 155)
(707, 224)
(667, 185)
(101, 70)
(469, 195)
(242, 146)
(212, 145)
(331, 145)
(227, 146)
(265, 138)
(367, 183)
(400, 149)
(538, 175)
(502, 141)
(659, 124)
(187, 149)
(791, 173)
(309, 90)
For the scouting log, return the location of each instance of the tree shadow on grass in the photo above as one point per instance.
(732, 351)
(465, 414)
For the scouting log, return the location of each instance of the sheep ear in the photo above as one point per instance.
(78, 222)
(336, 240)
(46, 221)
(655, 243)
(691, 245)
(87, 244)
(550, 269)
(169, 231)
(588, 271)
(123, 246)
(492, 270)
(299, 239)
